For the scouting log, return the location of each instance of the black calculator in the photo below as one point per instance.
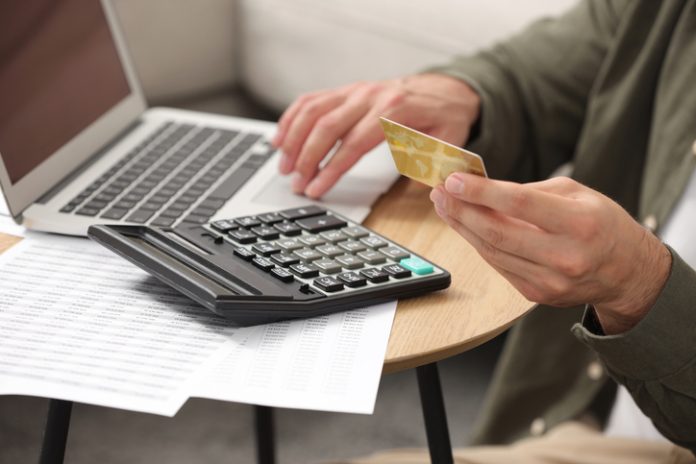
(294, 263)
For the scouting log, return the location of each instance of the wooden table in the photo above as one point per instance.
(479, 305)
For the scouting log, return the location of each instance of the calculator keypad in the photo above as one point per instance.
(319, 249)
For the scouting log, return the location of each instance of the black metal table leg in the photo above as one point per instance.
(56, 433)
(434, 414)
(265, 434)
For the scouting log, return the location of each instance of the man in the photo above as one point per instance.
(610, 87)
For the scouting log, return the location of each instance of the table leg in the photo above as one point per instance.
(265, 435)
(56, 433)
(434, 414)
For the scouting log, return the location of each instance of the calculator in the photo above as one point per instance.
(287, 264)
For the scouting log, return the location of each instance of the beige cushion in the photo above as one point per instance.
(294, 46)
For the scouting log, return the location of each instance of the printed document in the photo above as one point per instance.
(80, 323)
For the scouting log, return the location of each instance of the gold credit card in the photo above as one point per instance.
(425, 158)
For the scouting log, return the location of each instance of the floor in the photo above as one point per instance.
(207, 431)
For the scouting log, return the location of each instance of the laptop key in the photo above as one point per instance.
(196, 219)
(162, 221)
(115, 213)
(88, 211)
(140, 216)
(232, 183)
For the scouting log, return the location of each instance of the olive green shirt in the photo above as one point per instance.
(610, 86)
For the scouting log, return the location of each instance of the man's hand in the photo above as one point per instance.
(439, 105)
(559, 243)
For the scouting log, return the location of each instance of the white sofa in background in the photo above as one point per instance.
(277, 49)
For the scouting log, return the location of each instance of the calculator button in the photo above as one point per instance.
(351, 279)
(311, 240)
(374, 242)
(351, 246)
(265, 232)
(288, 228)
(333, 236)
(327, 266)
(417, 265)
(304, 270)
(282, 274)
(242, 236)
(372, 257)
(328, 284)
(289, 244)
(374, 275)
(396, 271)
(330, 250)
(307, 254)
(270, 218)
(284, 259)
(263, 263)
(265, 248)
(248, 221)
(299, 213)
(350, 262)
(355, 232)
(243, 253)
(223, 225)
(397, 254)
(318, 224)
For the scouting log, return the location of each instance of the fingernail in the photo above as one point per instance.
(436, 197)
(298, 184)
(313, 190)
(284, 166)
(454, 184)
(275, 141)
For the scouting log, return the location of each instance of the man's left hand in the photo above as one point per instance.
(559, 243)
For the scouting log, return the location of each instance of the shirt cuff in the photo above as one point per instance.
(662, 342)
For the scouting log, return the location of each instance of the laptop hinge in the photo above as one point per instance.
(46, 197)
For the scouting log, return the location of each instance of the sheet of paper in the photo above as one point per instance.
(326, 363)
(79, 323)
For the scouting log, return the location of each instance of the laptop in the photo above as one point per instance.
(78, 145)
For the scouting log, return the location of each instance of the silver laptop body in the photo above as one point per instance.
(78, 145)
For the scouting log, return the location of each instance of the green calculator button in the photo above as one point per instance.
(417, 265)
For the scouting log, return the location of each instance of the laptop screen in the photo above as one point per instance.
(59, 72)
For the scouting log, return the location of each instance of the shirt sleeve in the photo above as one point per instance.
(534, 89)
(656, 359)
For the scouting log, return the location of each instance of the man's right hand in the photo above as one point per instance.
(439, 105)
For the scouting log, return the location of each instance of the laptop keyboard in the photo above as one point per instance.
(180, 173)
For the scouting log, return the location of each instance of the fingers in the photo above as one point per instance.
(329, 129)
(359, 140)
(497, 230)
(494, 256)
(546, 210)
(301, 124)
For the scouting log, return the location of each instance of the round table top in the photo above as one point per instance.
(478, 305)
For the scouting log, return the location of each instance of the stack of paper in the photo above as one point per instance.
(79, 323)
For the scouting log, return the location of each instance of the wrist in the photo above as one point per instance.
(640, 290)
